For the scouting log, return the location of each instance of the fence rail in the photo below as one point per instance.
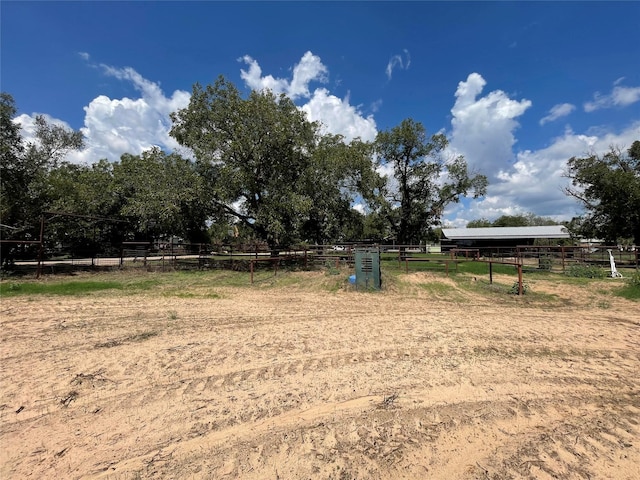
(28, 255)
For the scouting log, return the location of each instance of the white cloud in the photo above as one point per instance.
(620, 96)
(558, 111)
(535, 181)
(336, 115)
(396, 61)
(116, 126)
(360, 208)
(113, 126)
(309, 69)
(623, 96)
(128, 125)
(483, 128)
(254, 79)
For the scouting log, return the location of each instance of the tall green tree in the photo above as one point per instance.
(25, 169)
(608, 188)
(423, 184)
(11, 153)
(161, 195)
(337, 176)
(83, 191)
(267, 166)
(253, 152)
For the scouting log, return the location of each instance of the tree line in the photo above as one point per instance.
(259, 167)
(521, 220)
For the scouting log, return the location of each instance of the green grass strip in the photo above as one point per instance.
(9, 289)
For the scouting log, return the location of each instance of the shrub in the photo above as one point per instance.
(545, 263)
(585, 271)
(514, 290)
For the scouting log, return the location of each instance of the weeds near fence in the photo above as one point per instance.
(585, 271)
(515, 288)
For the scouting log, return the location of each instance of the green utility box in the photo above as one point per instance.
(368, 268)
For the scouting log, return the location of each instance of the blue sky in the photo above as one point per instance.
(518, 87)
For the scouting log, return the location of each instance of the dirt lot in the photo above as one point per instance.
(294, 382)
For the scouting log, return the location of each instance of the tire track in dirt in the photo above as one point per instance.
(427, 357)
(253, 418)
(395, 434)
(277, 385)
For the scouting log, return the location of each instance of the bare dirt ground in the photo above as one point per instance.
(265, 382)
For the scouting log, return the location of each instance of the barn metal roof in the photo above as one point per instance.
(494, 233)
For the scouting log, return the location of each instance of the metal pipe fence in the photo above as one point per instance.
(29, 255)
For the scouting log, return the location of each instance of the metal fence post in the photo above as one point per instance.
(41, 249)
(520, 289)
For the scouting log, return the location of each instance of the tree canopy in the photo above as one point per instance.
(522, 220)
(25, 188)
(259, 167)
(423, 183)
(608, 188)
(161, 195)
(268, 166)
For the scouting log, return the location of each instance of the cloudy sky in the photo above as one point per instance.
(518, 87)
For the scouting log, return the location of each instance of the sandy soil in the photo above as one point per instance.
(419, 382)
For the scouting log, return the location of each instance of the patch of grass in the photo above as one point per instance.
(500, 291)
(437, 288)
(180, 284)
(574, 281)
(631, 290)
(634, 279)
(58, 288)
(331, 268)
